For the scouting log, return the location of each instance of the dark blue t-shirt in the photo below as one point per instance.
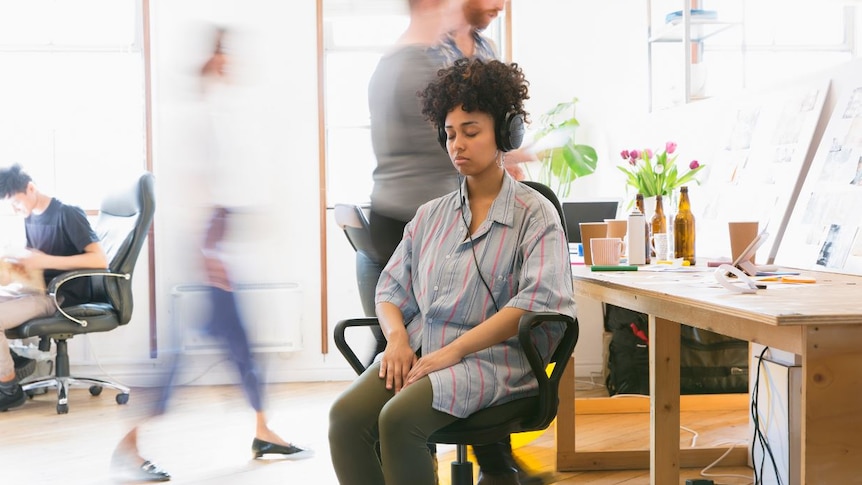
(62, 230)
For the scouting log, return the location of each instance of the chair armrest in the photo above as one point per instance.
(63, 278)
(548, 385)
(341, 342)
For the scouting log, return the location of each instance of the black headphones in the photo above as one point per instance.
(508, 132)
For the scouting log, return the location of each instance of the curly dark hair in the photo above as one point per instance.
(491, 87)
(13, 181)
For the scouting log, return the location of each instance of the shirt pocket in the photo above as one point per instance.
(504, 287)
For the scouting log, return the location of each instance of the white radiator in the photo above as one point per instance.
(272, 313)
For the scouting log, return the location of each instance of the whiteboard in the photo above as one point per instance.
(823, 232)
(764, 140)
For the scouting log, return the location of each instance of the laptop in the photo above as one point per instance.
(576, 212)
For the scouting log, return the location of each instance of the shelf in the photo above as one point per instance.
(701, 29)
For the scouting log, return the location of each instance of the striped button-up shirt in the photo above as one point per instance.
(449, 52)
(432, 277)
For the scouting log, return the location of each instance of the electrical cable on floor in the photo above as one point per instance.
(591, 383)
(733, 443)
(99, 364)
(694, 435)
(759, 437)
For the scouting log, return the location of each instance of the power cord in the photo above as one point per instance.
(759, 437)
(734, 444)
(590, 384)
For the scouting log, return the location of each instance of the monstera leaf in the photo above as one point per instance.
(562, 160)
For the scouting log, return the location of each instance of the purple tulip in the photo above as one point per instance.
(624, 154)
(633, 162)
(670, 147)
(693, 165)
(634, 154)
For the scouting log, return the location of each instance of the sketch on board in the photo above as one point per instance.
(823, 231)
(836, 246)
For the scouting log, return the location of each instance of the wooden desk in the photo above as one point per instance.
(822, 322)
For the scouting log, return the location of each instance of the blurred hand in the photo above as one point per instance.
(216, 271)
(515, 171)
(33, 259)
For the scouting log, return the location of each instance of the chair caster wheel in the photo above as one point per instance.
(122, 398)
(62, 409)
(95, 390)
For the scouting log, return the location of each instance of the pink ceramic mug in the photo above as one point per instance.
(606, 251)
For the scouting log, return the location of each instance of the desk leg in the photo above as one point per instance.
(565, 428)
(831, 403)
(664, 342)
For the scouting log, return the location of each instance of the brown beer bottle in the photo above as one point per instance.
(639, 202)
(658, 223)
(683, 229)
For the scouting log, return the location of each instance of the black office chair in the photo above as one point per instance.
(123, 224)
(352, 220)
(484, 426)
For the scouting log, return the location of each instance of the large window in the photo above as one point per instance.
(356, 34)
(351, 52)
(751, 44)
(72, 93)
(784, 40)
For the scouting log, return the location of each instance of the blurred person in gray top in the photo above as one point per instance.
(411, 169)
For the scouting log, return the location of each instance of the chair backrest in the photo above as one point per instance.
(550, 195)
(351, 219)
(124, 221)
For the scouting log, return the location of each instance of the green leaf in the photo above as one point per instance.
(563, 164)
(581, 159)
(689, 176)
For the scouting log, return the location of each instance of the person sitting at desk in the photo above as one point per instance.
(469, 265)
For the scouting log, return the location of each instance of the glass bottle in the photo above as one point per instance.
(639, 202)
(683, 229)
(658, 224)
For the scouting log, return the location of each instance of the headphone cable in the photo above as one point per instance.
(473, 248)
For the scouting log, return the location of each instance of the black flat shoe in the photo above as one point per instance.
(261, 447)
(124, 468)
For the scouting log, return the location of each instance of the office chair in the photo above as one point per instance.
(124, 221)
(485, 426)
(352, 220)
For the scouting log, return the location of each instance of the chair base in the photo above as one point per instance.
(462, 468)
(64, 383)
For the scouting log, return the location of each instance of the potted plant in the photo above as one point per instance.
(561, 159)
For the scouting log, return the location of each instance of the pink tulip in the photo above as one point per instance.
(634, 154)
(670, 147)
(633, 162)
(624, 154)
(693, 165)
(648, 153)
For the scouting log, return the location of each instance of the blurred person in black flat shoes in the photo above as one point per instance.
(233, 191)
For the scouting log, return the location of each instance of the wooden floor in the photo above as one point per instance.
(206, 436)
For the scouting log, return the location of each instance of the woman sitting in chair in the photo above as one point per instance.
(469, 265)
